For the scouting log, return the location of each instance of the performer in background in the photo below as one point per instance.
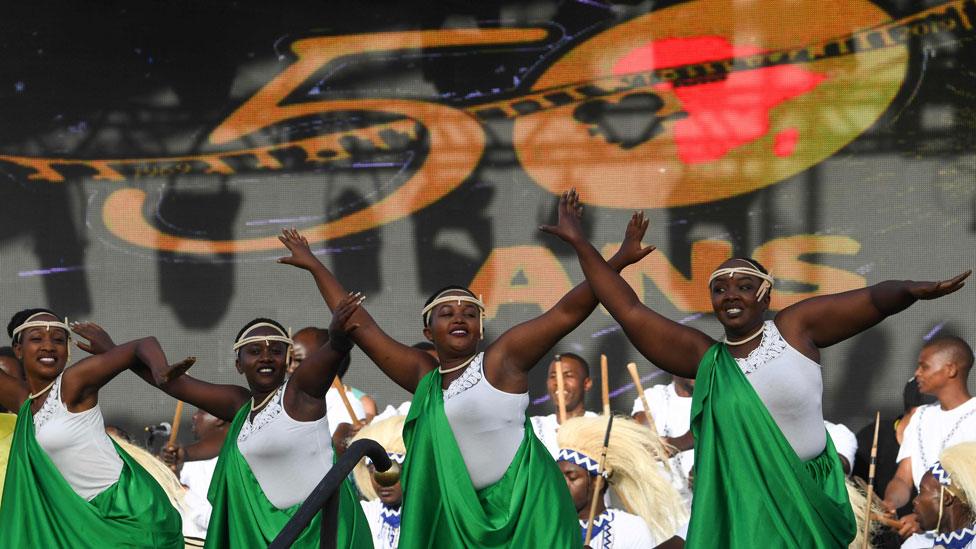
(67, 483)
(671, 411)
(382, 504)
(278, 445)
(943, 369)
(756, 413)
(576, 383)
(475, 475)
(656, 512)
(845, 442)
(946, 501)
(310, 338)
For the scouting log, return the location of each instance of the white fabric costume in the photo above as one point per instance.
(196, 476)
(672, 417)
(384, 523)
(336, 411)
(546, 428)
(616, 529)
(845, 441)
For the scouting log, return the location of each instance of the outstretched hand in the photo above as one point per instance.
(340, 327)
(301, 254)
(935, 290)
(98, 339)
(570, 211)
(631, 250)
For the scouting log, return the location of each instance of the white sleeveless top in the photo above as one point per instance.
(77, 444)
(488, 424)
(791, 387)
(288, 457)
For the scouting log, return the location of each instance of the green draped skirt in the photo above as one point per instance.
(751, 489)
(529, 507)
(243, 517)
(40, 509)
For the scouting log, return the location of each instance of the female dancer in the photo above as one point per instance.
(475, 475)
(278, 446)
(67, 484)
(756, 413)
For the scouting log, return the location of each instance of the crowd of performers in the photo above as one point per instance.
(734, 452)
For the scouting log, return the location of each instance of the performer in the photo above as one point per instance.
(277, 447)
(362, 404)
(67, 483)
(944, 365)
(576, 383)
(845, 442)
(475, 475)
(383, 503)
(671, 410)
(657, 511)
(756, 413)
(945, 501)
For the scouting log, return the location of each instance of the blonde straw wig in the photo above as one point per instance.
(159, 471)
(960, 462)
(389, 433)
(857, 493)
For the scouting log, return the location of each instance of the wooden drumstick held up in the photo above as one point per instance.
(560, 397)
(649, 419)
(177, 416)
(605, 382)
(598, 483)
(337, 385)
(889, 522)
(874, 457)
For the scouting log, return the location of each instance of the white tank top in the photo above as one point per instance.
(77, 444)
(791, 387)
(288, 457)
(488, 424)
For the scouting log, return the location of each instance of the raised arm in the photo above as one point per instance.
(403, 364)
(669, 345)
(823, 321)
(222, 401)
(305, 396)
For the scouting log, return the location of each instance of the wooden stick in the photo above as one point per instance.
(605, 382)
(598, 487)
(337, 385)
(874, 457)
(649, 419)
(560, 397)
(889, 522)
(177, 416)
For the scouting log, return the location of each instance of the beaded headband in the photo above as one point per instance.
(767, 279)
(46, 324)
(441, 298)
(575, 457)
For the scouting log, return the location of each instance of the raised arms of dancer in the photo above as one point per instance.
(509, 358)
(669, 345)
(403, 364)
(825, 320)
(305, 395)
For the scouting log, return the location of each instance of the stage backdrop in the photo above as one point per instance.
(151, 152)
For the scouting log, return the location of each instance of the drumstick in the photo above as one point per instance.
(874, 457)
(177, 416)
(560, 397)
(649, 419)
(337, 385)
(605, 381)
(599, 482)
(889, 522)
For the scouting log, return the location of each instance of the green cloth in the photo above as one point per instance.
(529, 507)
(40, 509)
(751, 488)
(243, 517)
(7, 422)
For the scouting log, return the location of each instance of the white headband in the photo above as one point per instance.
(284, 338)
(441, 298)
(767, 279)
(46, 324)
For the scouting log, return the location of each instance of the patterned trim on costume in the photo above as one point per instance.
(602, 530)
(941, 474)
(591, 465)
(264, 416)
(50, 406)
(471, 376)
(394, 457)
(390, 527)
(956, 540)
(770, 347)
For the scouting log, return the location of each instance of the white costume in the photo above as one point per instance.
(845, 441)
(615, 529)
(488, 423)
(288, 457)
(546, 427)
(77, 444)
(384, 523)
(672, 417)
(336, 411)
(388, 412)
(196, 476)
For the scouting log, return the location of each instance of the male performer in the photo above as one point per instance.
(943, 368)
(576, 383)
(671, 411)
